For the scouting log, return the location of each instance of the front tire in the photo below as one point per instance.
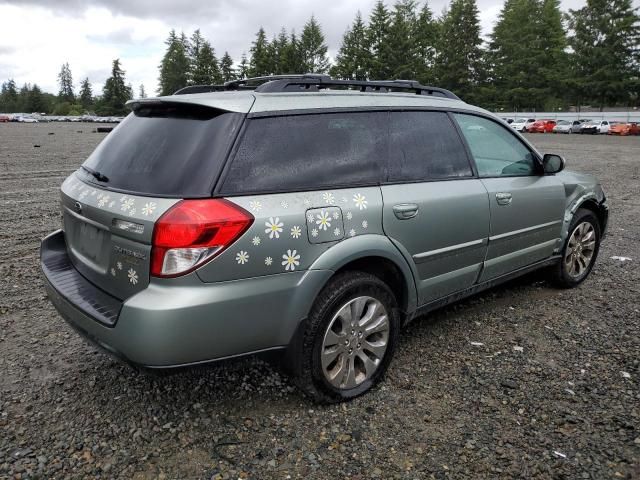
(580, 250)
(348, 339)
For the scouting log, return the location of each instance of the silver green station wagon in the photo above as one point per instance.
(308, 216)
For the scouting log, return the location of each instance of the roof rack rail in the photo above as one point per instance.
(313, 82)
(246, 83)
(383, 86)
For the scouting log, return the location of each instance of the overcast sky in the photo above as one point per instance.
(38, 36)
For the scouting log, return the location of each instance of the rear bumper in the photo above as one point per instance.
(178, 322)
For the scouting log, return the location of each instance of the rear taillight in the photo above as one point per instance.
(192, 232)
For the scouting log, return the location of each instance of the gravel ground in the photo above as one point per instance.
(550, 392)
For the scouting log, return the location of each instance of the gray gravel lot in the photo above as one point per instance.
(564, 404)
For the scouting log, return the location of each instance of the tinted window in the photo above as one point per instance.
(425, 146)
(496, 150)
(166, 150)
(301, 152)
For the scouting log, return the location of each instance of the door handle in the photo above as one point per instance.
(503, 198)
(405, 211)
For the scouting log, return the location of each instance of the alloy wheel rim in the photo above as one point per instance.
(355, 342)
(580, 249)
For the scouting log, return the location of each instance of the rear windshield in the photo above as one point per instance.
(167, 150)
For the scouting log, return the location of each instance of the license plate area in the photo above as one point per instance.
(88, 242)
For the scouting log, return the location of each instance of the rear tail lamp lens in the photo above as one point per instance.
(192, 232)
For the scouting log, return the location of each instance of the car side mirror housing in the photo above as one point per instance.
(552, 163)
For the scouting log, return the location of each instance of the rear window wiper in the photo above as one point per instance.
(97, 175)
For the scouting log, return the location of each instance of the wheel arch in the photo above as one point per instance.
(374, 254)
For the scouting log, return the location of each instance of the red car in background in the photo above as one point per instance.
(623, 129)
(4, 118)
(541, 126)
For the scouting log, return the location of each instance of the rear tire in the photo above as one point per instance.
(579, 252)
(348, 340)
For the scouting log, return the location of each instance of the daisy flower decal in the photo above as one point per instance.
(256, 241)
(296, 231)
(360, 201)
(268, 261)
(133, 276)
(242, 257)
(255, 206)
(148, 208)
(328, 197)
(323, 221)
(274, 227)
(291, 260)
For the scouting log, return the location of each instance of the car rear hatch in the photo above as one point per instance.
(161, 153)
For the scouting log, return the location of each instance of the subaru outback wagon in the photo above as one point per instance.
(305, 215)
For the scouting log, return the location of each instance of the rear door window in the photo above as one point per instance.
(306, 152)
(168, 150)
(425, 146)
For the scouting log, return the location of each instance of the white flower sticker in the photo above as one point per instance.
(133, 276)
(126, 204)
(274, 227)
(323, 221)
(93, 193)
(123, 198)
(104, 199)
(119, 265)
(113, 272)
(314, 232)
(296, 231)
(337, 232)
(148, 208)
(352, 233)
(132, 212)
(242, 257)
(268, 261)
(256, 241)
(284, 204)
(328, 197)
(291, 260)
(349, 215)
(310, 217)
(365, 224)
(360, 201)
(255, 206)
(83, 194)
(336, 215)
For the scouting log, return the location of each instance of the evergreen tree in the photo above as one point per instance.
(293, 55)
(243, 69)
(86, 95)
(426, 35)
(226, 68)
(605, 41)
(141, 92)
(260, 63)
(353, 58)
(35, 101)
(278, 50)
(204, 64)
(402, 41)
(313, 50)
(9, 97)
(65, 80)
(174, 68)
(378, 38)
(459, 54)
(115, 92)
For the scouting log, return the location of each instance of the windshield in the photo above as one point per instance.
(562, 122)
(167, 150)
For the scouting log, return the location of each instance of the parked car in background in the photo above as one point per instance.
(4, 118)
(595, 126)
(624, 129)
(519, 124)
(23, 119)
(541, 126)
(562, 126)
(576, 125)
(508, 120)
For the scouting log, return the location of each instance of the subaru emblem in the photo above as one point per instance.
(78, 207)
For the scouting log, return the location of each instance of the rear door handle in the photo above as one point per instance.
(405, 211)
(503, 198)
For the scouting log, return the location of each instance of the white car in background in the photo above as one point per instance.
(26, 120)
(521, 124)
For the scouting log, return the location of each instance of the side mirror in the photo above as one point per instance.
(552, 163)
